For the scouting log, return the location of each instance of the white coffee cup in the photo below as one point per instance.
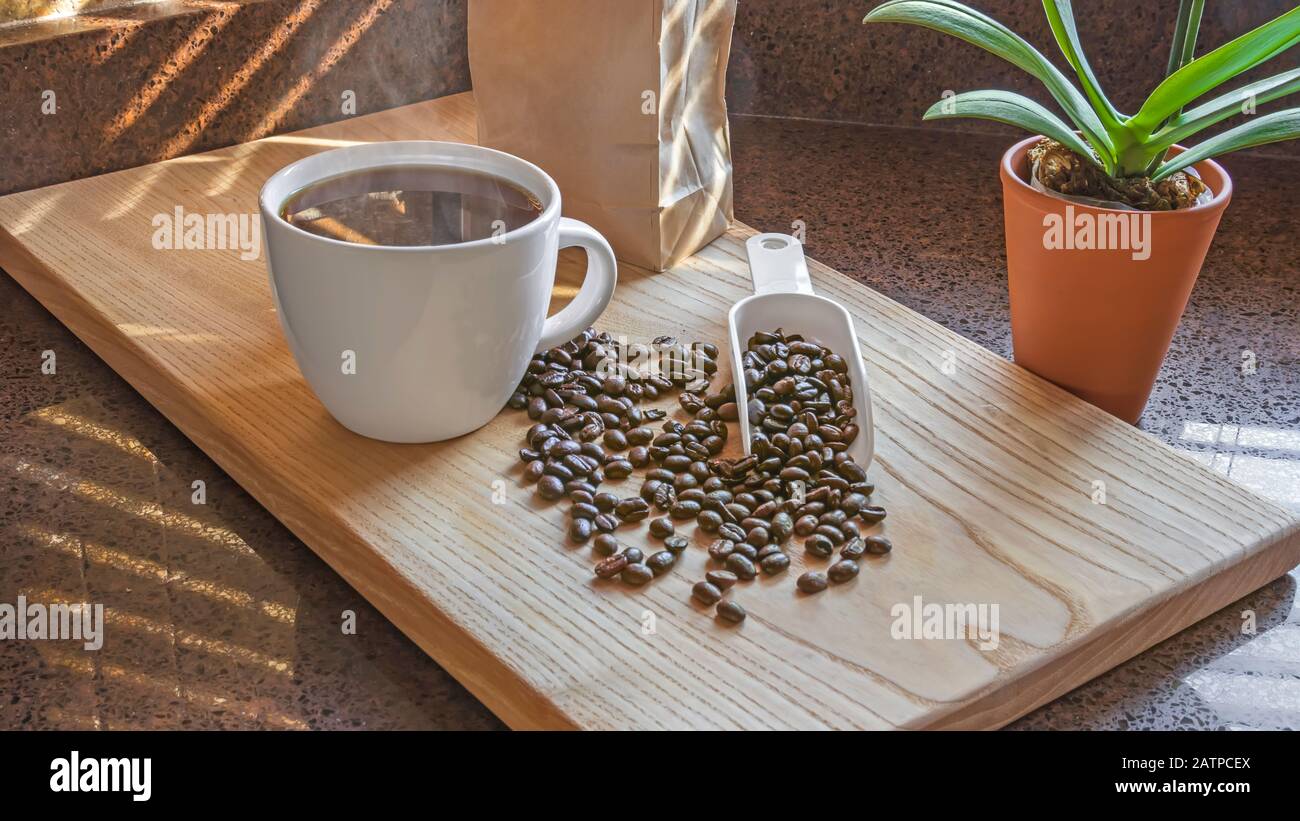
(420, 344)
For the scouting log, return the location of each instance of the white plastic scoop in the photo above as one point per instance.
(783, 298)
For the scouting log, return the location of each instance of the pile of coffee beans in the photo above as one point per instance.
(591, 425)
(798, 481)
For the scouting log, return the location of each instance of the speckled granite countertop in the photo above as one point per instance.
(232, 623)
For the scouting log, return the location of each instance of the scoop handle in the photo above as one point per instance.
(776, 264)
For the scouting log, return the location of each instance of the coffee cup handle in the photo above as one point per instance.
(596, 291)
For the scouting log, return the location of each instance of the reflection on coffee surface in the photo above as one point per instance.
(411, 205)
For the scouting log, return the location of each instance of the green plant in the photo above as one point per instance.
(1121, 145)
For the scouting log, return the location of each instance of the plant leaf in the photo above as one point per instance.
(1185, 31)
(1060, 16)
(1012, 109)
(1271, 128)
(950, 17)
(1211, 70)
(1223, 107)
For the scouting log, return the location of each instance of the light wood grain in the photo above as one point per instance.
(987, 473)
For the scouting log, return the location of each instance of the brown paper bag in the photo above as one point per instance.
(622, 102)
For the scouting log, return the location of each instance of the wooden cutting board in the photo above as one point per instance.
(993, 480)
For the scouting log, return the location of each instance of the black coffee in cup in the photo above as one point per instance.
(411, 205)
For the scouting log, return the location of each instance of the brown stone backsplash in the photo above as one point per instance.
(815, 59)
(115, 89)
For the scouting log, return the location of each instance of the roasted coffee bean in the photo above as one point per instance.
(677, 464)
(640, 436)
(853, 503)
(878, 545)
(854, 548)
(852, 471)
(731, 611)
(605, 502)
(735, 513)
(721, 549)
(832, 533)
(618, 469)
(767, 550)
(636, 574)
(742, 566)
(812, 508)
(872, 514)
(805, 525)
(719, 494)
(534, 470)
(832, 517)
(677, 544)
(843, 570)
(758, 536)
(812, 582)
(774, 563)
(582, 510)
(605, 545)
(564, 447)
(580, 530)
(684, 510)
(685, 481)
(782, 526)
(706, 593)
(550, 487)
(649, 488)
(559, 470)
(633, 554)
(661, 527)
(667, 440)
(611, 567)
(794, 475)
(709, 521)
(615, 439)
(733, 532)
(692, 495)
(721, 579)
(632, 509)
(639, 456)
(665, 496)
(765, 510)
(747, 550)
(580, 465)
(605, 522)
(661, 562)
(819, 545)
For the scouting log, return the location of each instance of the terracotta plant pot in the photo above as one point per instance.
(1098, 320)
